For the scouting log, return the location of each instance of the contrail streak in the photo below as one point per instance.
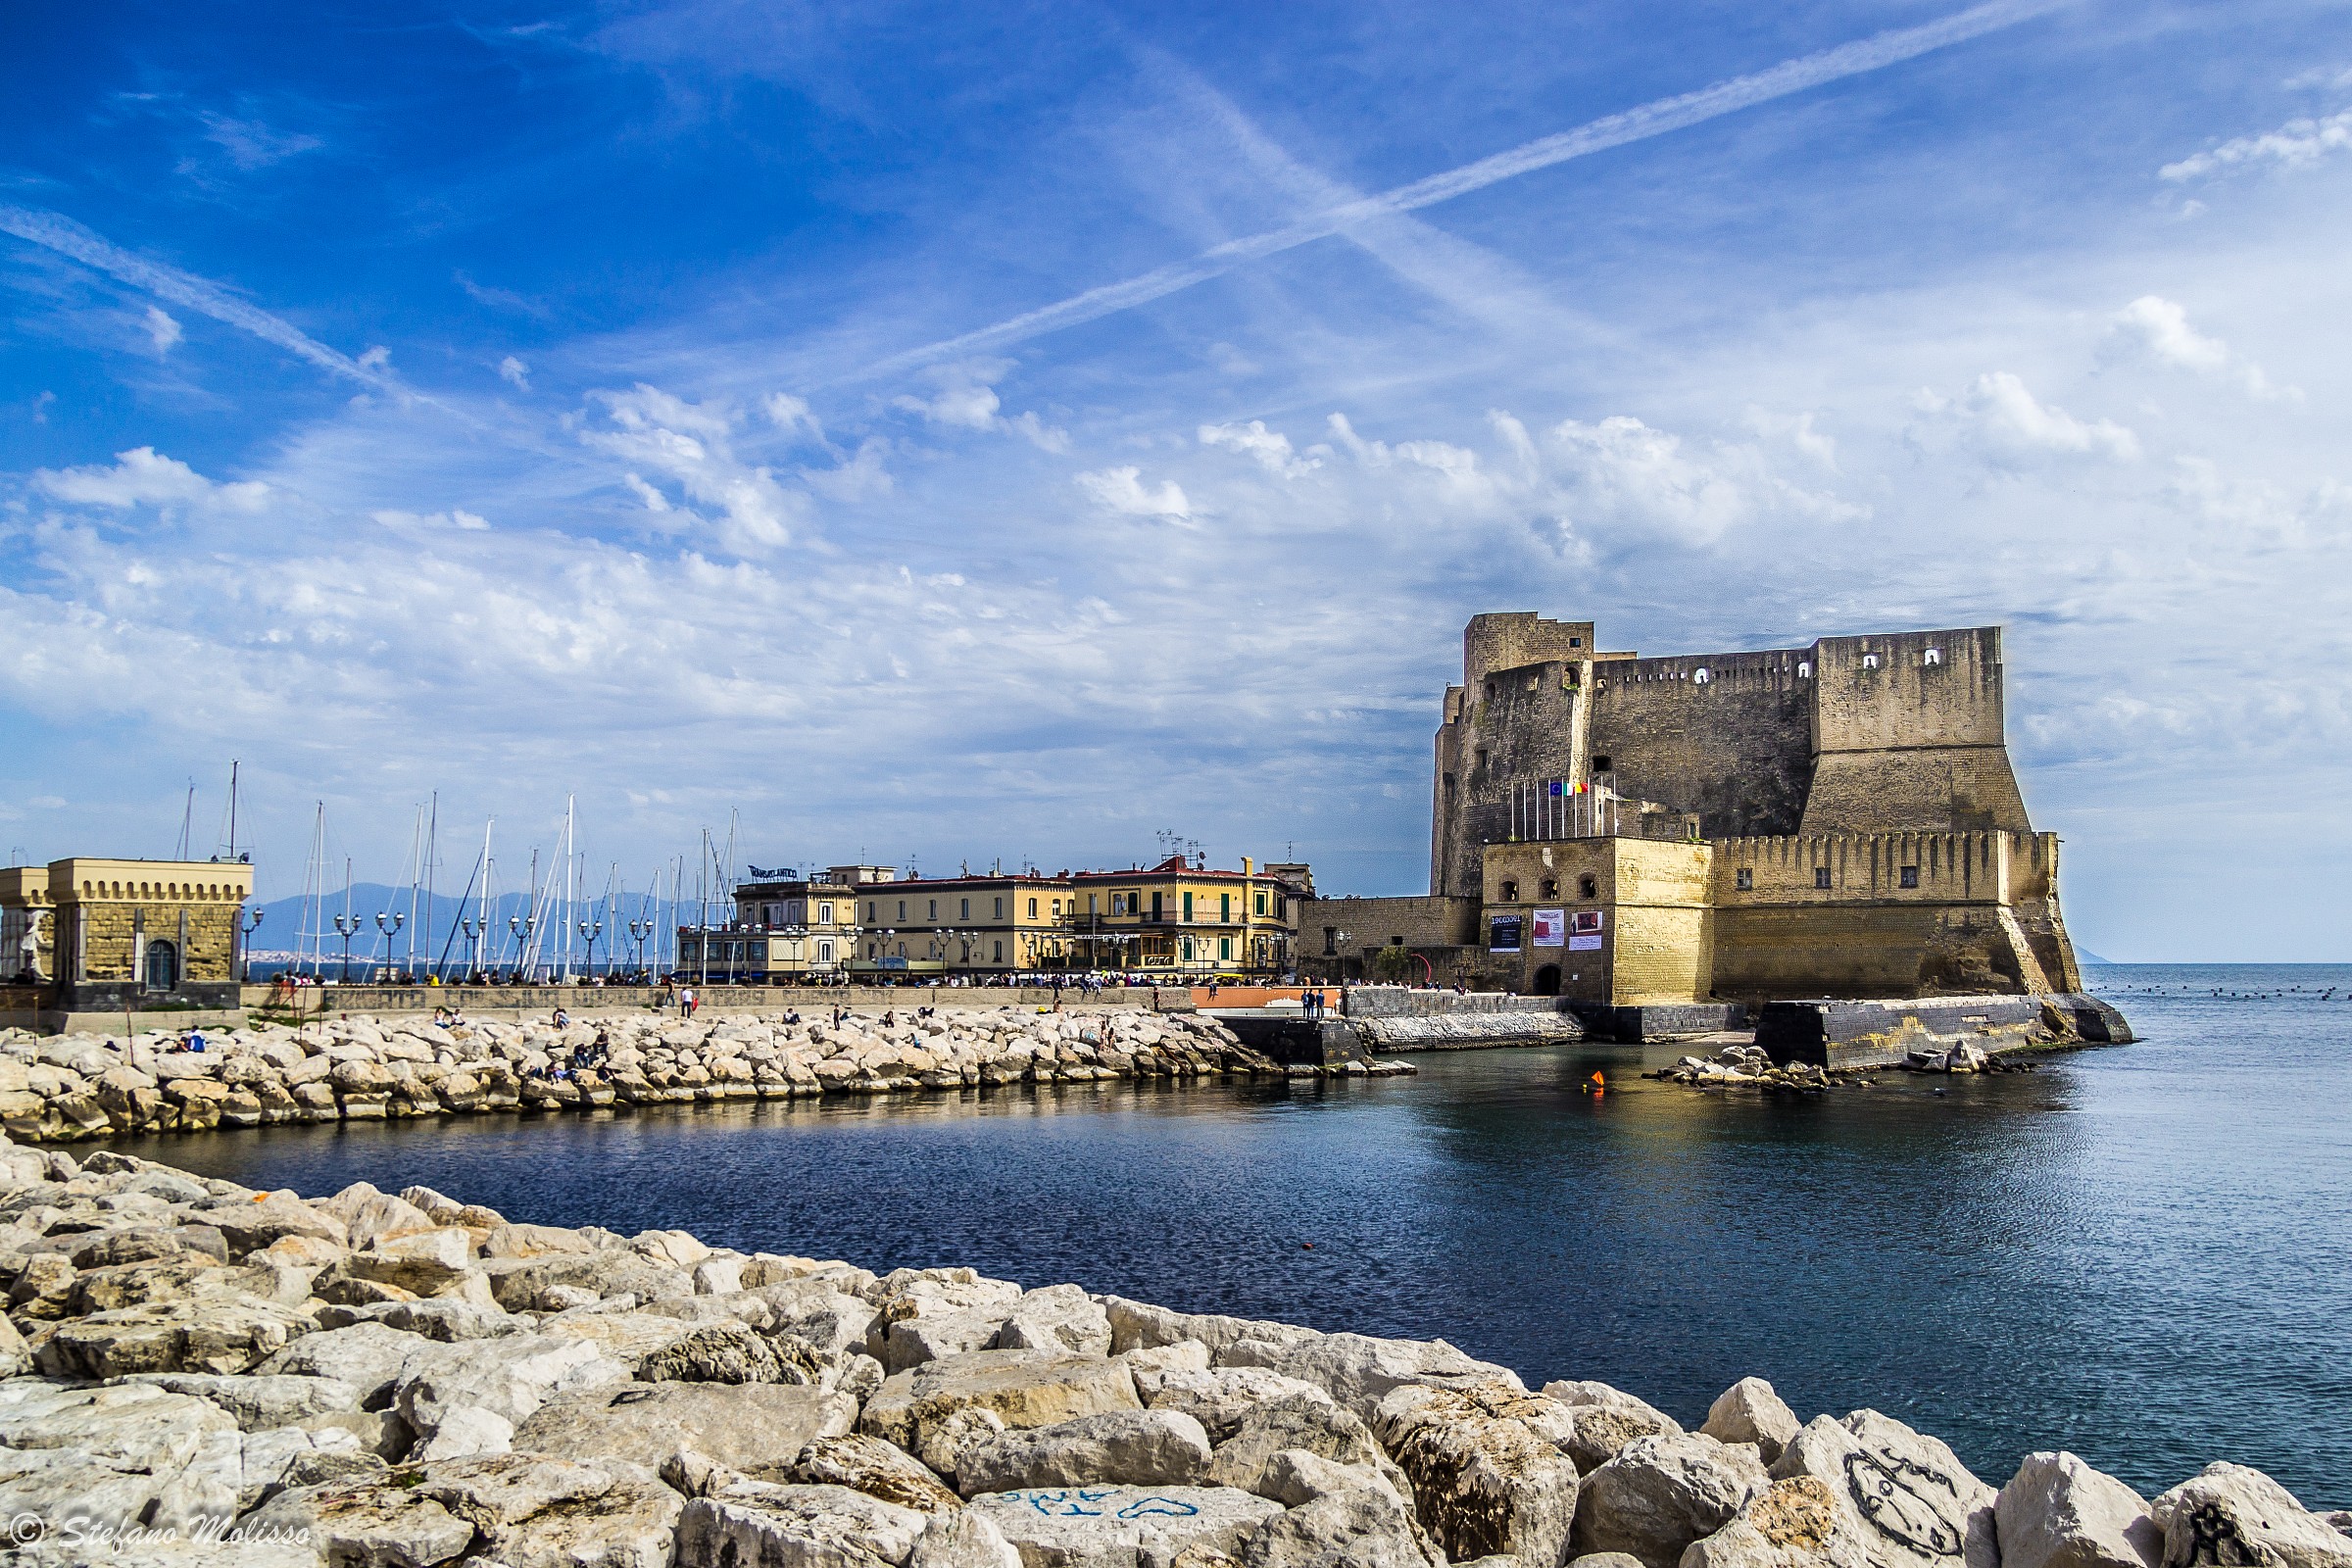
(68, 238)
(1654, 118)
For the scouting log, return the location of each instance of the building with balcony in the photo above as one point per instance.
(787, 929)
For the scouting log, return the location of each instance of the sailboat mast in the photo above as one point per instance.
(415, 869)
(482, 908)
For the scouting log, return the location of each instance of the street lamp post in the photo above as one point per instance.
(592, 929)
(247, 923)
(347, 925)
(475, 928)
(389, 931)
(521, 927)
(638, 930)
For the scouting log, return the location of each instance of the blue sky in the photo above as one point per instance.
(793, 411)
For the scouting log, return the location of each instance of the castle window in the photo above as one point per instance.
(1552, 888)
(1576, 642)
(1870, 661)
(1489, 691)
(1934, 656)
(1600, 763)
(1910, 876)
(1748, 879)
(1588, 887)
(1331, 941)
(1820, 876)
(1804, 669)
(1481, 758)
(1510, 891)
(1700, 676)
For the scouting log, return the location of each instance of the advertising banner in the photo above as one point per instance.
(1503, 933)
(1585, 935)
(1552, 927)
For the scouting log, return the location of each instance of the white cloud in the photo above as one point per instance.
(1270, 448)
(1122, 490)
(2000, 418)
(862, 478)
(457, 517)
(2161, 328)
(2297, 144)
(692, 444)
(1799, 431)
(514, 370)
(971, 405)
(654, 500)
(143, 477)
(2158, 328)
(376, 359)
(791, 416)
(162, 330)
(2258, 511)
(251, 145)
(968, 400)
(1039, 434)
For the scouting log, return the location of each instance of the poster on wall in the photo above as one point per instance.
(1503, 933)
(1552, 927)
(1585, 935)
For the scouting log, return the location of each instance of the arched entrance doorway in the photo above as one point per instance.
(162, 966)
(1547, 981)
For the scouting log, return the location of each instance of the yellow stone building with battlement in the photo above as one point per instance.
(1838, 819)
(105, 935)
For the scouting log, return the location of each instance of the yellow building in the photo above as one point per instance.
(1187, 918)
(786, 929)
(125, 934)
(1173, 917)
(938, 926)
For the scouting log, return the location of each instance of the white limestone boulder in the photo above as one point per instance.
(2232, 1513)
(1122, 1526)
(1751, 1411)
(1795, 1523)
(1660, 1493)
(1121, 1448)
(761, 1522)
(1358, 1370)
(1908, 1496)
(1057, 1317)
(745, 1427)
(1021, 1389)
(2058, 1512)
(1485, 1477)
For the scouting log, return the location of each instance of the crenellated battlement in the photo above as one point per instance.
(1854, 774)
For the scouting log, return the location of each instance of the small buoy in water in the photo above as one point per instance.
(1594, 1085)
(1308, 1245)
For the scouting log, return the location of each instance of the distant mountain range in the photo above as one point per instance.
(286, 927)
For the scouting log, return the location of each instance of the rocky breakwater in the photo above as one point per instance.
(1746, 1066)
(195, 1372)
(64, 1088)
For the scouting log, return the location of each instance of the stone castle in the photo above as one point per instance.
(1839, 819)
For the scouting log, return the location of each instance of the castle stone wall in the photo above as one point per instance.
(1727, 736)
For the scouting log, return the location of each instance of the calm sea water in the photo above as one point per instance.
(2143, 1255)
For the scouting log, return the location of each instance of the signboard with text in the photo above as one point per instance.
(1552, 927)
(1503, 933)
(1584, 935)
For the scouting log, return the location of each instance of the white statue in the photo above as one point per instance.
(31, 946)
